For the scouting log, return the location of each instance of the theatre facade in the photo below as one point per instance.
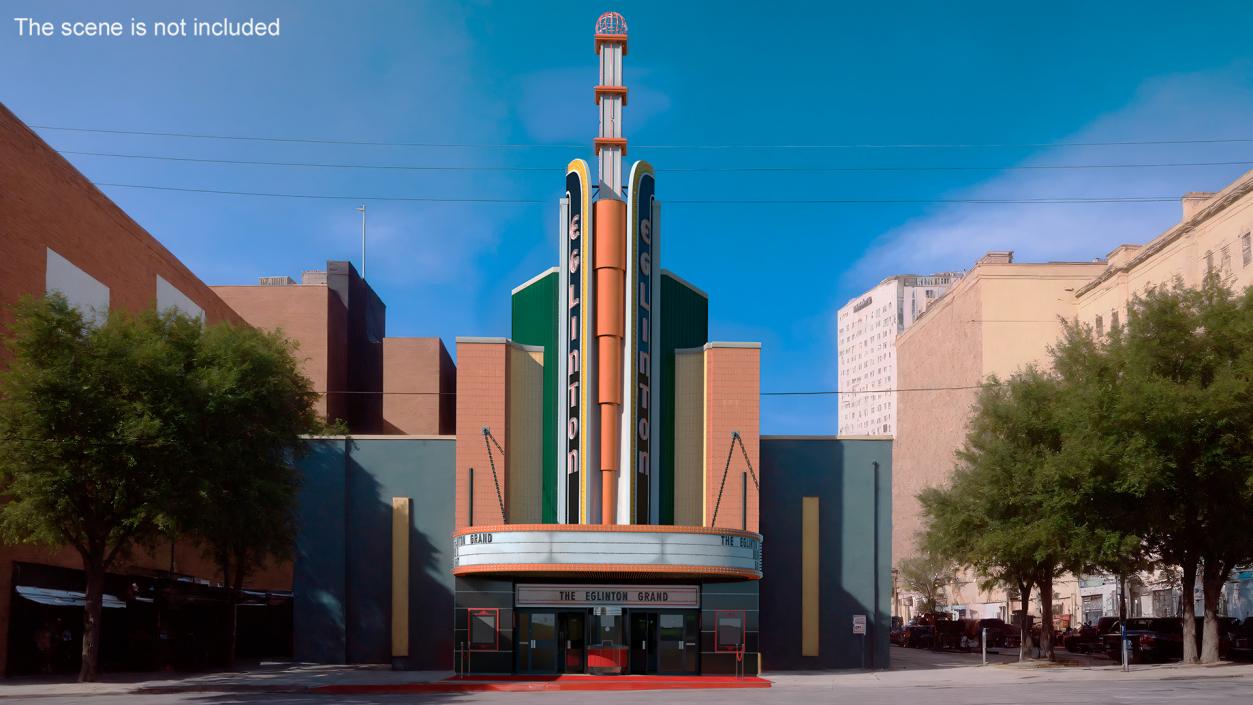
(603, 506)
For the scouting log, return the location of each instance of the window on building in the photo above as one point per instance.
(1164, 603)
(1209, 261)
(484, 631)
(1113, 320)
(1099, 325)
(1246, 248)
(731, 629)
(1093, 609)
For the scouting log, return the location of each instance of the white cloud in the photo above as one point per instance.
(1180, 106)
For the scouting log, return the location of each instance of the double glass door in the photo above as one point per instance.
(552, 642)
(578, 642)
(664, 642)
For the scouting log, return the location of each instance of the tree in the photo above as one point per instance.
(927, 575)
(995, 516)
(1166, 426)
(256, 404)
(93, 420)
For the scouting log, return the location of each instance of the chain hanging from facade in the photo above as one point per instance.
(735, 438)
(488, 441)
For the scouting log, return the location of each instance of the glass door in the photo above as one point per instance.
(643, 642)
(572, 639)
(678, 634)
(537, 642)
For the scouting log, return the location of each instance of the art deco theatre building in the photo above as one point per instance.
(619, 533)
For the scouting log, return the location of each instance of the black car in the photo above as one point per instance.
(1087, 638)
(1242, 641)
(1150, 639)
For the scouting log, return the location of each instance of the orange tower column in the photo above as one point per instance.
(610, 266)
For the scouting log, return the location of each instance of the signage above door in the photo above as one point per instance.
(557, 595)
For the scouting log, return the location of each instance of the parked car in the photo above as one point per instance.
(999, 633)
(1087, 638)
(951, 634)
(1242, 641)
(897, 635)
(918, 636)
(1150, 639)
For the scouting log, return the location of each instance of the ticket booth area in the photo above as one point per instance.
(628, 629)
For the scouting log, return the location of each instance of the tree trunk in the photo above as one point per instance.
(232, 618)
(1046, 618)
(95, 571)
(1188, 609)
(1213, 577)
(1024, 629)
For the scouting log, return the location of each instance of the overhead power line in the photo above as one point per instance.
(795, 393)
(814, 201)
(671, 170)
(520, 145)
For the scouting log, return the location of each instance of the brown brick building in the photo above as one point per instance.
(59, 232)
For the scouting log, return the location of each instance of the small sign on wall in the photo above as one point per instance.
(859, 624)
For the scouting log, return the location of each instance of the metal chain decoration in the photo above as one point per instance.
(487, 434)
(735, 438)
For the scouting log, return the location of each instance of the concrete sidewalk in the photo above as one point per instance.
(279, 678)
(304, 678)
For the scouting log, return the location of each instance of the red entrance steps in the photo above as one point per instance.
(528, 683)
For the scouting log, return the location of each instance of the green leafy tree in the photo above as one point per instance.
(93, 420)
(1170, 421)
(928, 575)
(256, 405)
(996, 515)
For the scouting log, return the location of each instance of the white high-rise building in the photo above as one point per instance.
(866, 348)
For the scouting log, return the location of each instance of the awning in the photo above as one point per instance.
(63, 598)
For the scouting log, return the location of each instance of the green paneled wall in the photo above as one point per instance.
(535, 323)
(684, 324)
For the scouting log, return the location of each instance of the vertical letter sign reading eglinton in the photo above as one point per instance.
(641, 316)
(577, 193)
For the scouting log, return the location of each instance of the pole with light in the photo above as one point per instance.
(361, 210)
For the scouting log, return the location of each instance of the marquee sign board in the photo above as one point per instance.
(523, 549)
(673, 596)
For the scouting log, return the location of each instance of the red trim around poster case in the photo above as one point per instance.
(470, 613)
(718, 630)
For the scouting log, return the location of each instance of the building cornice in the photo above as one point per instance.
(1220, 202)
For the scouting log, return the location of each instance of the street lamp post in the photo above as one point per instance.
(362, 211)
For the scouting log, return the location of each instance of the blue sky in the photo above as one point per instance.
(700, 73)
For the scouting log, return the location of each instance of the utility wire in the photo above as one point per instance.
(751, 169)
(814, 201)
(820, 392)
(518, 145)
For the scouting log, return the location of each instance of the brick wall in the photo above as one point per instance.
(419, 385)
(482, 401)
(47, 203)
(732, 403)
(313, 317)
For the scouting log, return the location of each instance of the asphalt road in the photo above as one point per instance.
(1200, 691)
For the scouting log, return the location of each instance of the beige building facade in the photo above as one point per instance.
(1213, 234)
(1003, 316)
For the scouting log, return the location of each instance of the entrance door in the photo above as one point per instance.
(572, 638)
(643, 642)
(678, 634)
(537, 642)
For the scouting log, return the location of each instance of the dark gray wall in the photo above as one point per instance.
(367, 325)
(342, 581)
(840, 472)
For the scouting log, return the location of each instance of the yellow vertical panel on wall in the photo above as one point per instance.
(689, 437)
(525, 447)
(809, 576)
(400, 575)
